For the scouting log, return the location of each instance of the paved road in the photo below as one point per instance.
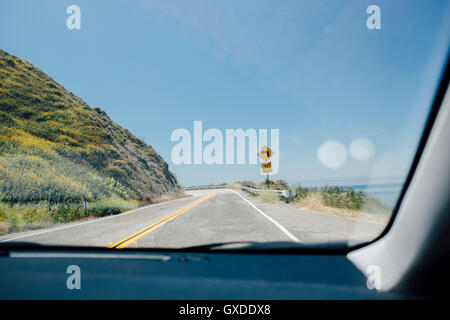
(209, 216)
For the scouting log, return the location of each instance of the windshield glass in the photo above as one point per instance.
(170, 124)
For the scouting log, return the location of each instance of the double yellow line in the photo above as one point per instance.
(135, 236)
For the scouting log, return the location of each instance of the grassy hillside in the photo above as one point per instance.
(56, 148)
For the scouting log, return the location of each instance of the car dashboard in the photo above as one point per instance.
(49, 274)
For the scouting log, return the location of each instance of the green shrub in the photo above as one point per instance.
(300, 193)
(340, 197)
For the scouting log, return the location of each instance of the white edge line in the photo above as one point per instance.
(285, 231)
(91, 221)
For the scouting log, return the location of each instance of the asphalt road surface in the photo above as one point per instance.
(209, 216)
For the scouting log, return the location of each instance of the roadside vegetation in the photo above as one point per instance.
(336, 200)
(57, 154)
(29, 216)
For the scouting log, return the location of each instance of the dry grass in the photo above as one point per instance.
(270, 197)
(4, 226)
(314, 202)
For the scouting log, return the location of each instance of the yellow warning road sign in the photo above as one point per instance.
(265, 153)
(266, 167)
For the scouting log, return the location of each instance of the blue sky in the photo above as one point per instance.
(311, 69)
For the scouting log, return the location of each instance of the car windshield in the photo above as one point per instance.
(172, 124)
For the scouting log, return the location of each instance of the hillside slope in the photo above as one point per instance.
(54, 147)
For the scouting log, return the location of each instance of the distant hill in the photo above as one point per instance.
(53, 146)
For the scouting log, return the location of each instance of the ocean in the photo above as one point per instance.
(387, 193)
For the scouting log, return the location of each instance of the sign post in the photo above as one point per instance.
(265, 153)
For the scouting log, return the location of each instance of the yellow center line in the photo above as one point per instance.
(132, 238)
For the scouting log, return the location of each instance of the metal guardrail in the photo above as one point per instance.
(205, 187)
(284, 193)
